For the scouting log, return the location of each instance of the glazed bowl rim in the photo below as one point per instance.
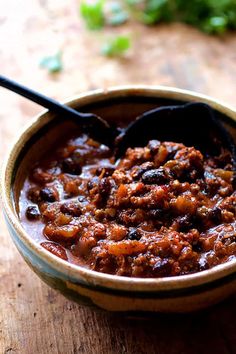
(77, 273)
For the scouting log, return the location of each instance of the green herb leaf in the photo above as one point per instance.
(211, 16)
(215, 24)
(92, 11)
(155, 11)
(52, 63)
(116, 46)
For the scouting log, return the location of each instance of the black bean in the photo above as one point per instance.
(134, 234)
(71, 166)
(33, 194)
(32, 213)
(162, 268)
(215, 214)
(71, 208)
(106, 170)
(142, 168)
(104, 187)
(155, 213)
(185, 223)
(93, 183)
(81, 198)
(47, 195)
(157, 176)
(197, 247)
(205, 213)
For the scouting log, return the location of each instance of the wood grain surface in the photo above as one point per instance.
(35, 319)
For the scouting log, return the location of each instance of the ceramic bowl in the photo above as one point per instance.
(114, 293)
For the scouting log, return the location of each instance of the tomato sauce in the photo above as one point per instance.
(161, 210)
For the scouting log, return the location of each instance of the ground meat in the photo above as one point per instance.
(162, 210)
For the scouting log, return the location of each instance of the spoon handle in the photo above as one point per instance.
(42, 100)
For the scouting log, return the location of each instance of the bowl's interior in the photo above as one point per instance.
(119, 109)
(118, 104)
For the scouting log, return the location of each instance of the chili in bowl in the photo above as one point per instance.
(152, 231)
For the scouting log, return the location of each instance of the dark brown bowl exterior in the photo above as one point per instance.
(114, 293)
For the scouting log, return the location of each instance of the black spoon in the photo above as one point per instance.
(193, 124)
(97, 126)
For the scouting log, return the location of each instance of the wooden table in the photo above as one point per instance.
(33, 317)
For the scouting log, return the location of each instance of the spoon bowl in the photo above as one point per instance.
(193, 124)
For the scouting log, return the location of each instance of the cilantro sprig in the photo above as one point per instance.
(92, 11)
(211, 16)
(117, 14)
(53, 63)
(116, 46)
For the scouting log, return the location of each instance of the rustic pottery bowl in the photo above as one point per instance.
(114, 293)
